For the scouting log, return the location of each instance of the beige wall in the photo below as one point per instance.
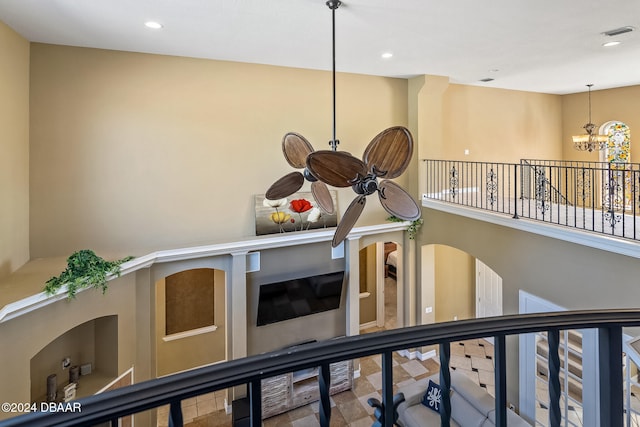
(493, 124)
(454, 284)
(133, 151)
(500, 125)
(14, 149)
(621, 104)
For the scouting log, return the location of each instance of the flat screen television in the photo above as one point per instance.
(299, 297)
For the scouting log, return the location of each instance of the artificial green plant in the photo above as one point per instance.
(84, 269)
(412, 229)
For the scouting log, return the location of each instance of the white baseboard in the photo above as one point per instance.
(367, 325)
(356, 373)
(417, 354)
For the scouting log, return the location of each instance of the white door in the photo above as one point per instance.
(488, 291)
(588, 410)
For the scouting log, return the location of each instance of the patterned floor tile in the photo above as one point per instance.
(486, 377)
(414, 368)
(352, 410)
(481, 363)
(460, 362)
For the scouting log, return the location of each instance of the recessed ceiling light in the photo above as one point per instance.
(387, 55)
(609, 44)
(153, 24)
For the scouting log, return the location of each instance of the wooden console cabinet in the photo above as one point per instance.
(288, 391)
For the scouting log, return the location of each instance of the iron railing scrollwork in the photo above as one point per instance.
(492, 187)
(541, 191)
(453, 182)
(592, 196)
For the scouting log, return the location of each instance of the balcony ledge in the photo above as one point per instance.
(581, 237)
(21, 292)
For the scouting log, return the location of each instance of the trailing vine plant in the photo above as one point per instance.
(84, 269)
(412, 229)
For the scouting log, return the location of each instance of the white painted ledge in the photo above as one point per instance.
(241, 246)
(191, 333)
(586, 238)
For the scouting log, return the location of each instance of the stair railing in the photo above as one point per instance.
(544, 188)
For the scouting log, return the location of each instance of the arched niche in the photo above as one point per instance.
(92, 346)
(190, 319)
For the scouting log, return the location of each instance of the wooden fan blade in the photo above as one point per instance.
(285, 186)
(322, 196)
(335, 168)
(349, 219)
(398, 202)
(296, 149)
(390, 151)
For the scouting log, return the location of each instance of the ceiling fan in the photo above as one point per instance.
(386, 157)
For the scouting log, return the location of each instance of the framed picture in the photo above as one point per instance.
(298, 212)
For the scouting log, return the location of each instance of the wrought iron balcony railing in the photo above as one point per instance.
(591, 196)
(172, 390)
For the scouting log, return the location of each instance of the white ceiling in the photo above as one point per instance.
(550, 46)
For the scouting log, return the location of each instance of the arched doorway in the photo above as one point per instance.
(456, 285)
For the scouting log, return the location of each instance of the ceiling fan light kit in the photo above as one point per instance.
(386, 157)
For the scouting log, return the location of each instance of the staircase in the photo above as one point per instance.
(572, 346)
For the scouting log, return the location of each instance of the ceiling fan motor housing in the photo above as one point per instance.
(366, 186)
(309, 176)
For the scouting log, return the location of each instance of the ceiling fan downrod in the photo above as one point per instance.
(333, 5)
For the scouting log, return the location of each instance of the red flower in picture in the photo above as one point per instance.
(300, 205)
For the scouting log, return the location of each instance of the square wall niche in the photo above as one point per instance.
(93, 345)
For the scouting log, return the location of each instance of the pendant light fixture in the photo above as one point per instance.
(590, 141)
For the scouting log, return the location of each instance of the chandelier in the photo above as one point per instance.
(590, 141)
